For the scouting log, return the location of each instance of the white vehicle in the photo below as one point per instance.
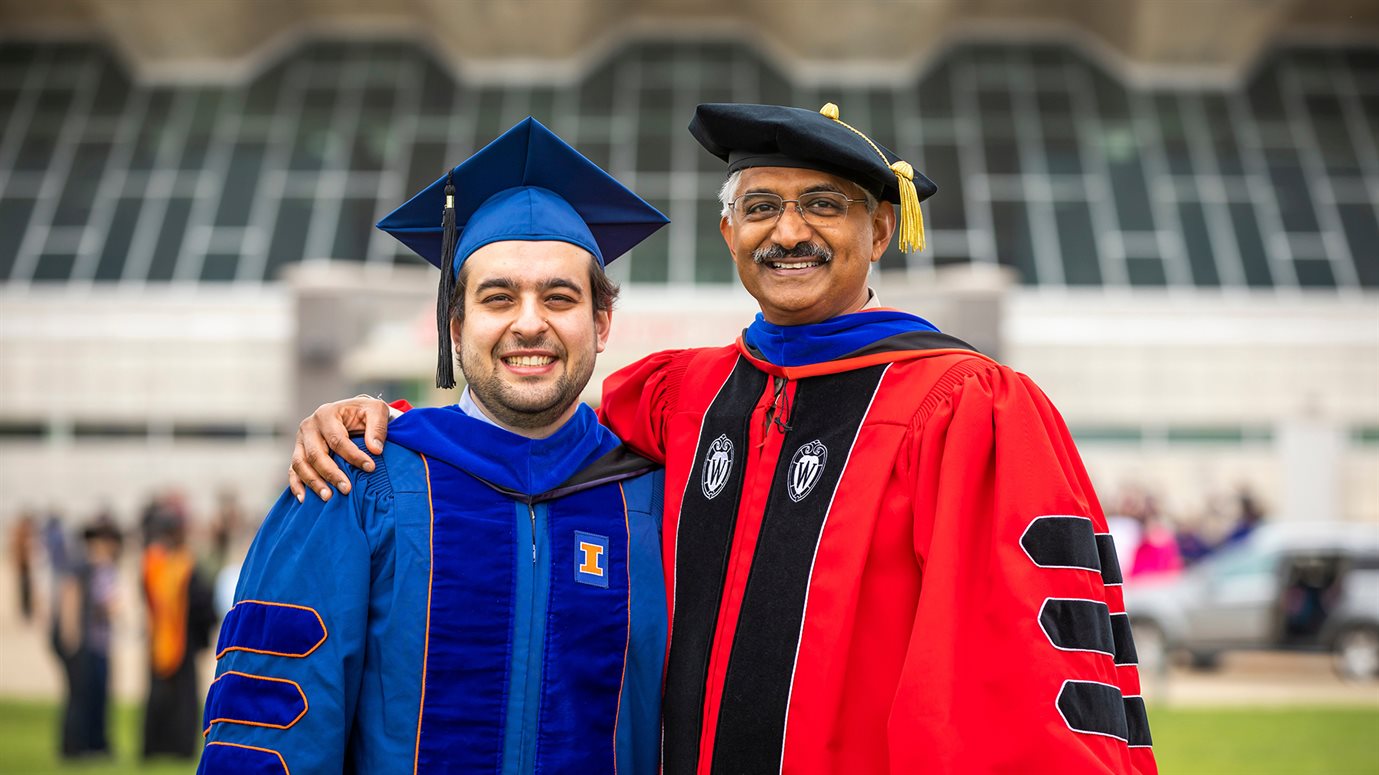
(1294, 585)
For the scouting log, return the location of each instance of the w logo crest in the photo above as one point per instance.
(805, 469)
(718, 465)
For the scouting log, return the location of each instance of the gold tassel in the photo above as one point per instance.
(911, 236)
(911, 216)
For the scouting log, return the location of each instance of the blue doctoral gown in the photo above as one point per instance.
(480, 603)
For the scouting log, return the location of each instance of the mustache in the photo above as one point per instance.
(534, 343)
(802, 250)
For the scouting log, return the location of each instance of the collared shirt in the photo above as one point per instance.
(471, 408)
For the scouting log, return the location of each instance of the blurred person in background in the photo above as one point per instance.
(226, 526)
(86, 607)
(180, 619)
(22, 540)
(1249, 515)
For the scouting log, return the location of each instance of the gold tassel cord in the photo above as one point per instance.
(911, 236)
(911, 216)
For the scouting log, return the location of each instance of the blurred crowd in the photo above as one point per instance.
(69, 576)
(1151, 542)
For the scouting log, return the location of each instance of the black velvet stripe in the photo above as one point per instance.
(1110, 561)
(1061, 542)
(1137, 721)
(1093, 708)
(910, 340)
(702, 546)
(1125, 642)
(913, 340)
(1077, 625)
(827, 413)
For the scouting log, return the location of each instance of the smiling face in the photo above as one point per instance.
(530, 332)
(806, 273)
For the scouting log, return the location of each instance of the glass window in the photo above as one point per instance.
(197, 138)
(1081, 259)
(289, 236)
(111, 91)
(1251, 242)
(712, 262)
(936, 93)
(241, 180)
(946, 210)
(219, 267)
(315, 130)
(14, 221)
(1063, 155)
(261, 99)
(54, 267)
(373, 140)
(79, 189)
(116, 243)
(1127, 183)
(1314, 273)
(1265, 99)
(1362, 231)
(1173, 134)
(1223, 135)
(1290, 186)
(1002, 156)
(428, 163)
(997, 113)
(36, 152)
(152, 128)
(1146, 271)
(1014, 246)
(648, 262)
(353, 230)
(1333, 136)
(169, 246)
(1200, 256)
(1055, 111)
(437, 90)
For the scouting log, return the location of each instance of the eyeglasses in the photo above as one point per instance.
(818, 208)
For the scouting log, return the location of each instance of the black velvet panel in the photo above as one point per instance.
(751, 722)
(1062, 542)
(702, 547)
(1093, 708)
(1077, 625)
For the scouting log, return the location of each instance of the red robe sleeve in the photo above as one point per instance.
(638, 400)
(1020, 658)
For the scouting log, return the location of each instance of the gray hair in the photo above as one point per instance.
(728, 192)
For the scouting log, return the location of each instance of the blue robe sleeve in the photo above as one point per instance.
(291, 650)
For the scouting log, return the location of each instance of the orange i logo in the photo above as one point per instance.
(591, 559)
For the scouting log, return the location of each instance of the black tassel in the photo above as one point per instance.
(445, 365)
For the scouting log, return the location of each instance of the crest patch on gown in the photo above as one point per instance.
(718, 465)
(805, 469)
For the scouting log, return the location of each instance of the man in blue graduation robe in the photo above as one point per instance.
(488, 596)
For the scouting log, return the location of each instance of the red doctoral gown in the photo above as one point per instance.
(892, 562)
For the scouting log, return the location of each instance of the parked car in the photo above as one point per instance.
(1288, 585)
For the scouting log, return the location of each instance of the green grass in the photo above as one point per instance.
(1287, 741)
(29, 742)
(1196, 741)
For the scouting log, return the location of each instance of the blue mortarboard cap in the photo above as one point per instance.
(776, 136)
(527, 185)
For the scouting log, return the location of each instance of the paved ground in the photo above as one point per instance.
(28, 669)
